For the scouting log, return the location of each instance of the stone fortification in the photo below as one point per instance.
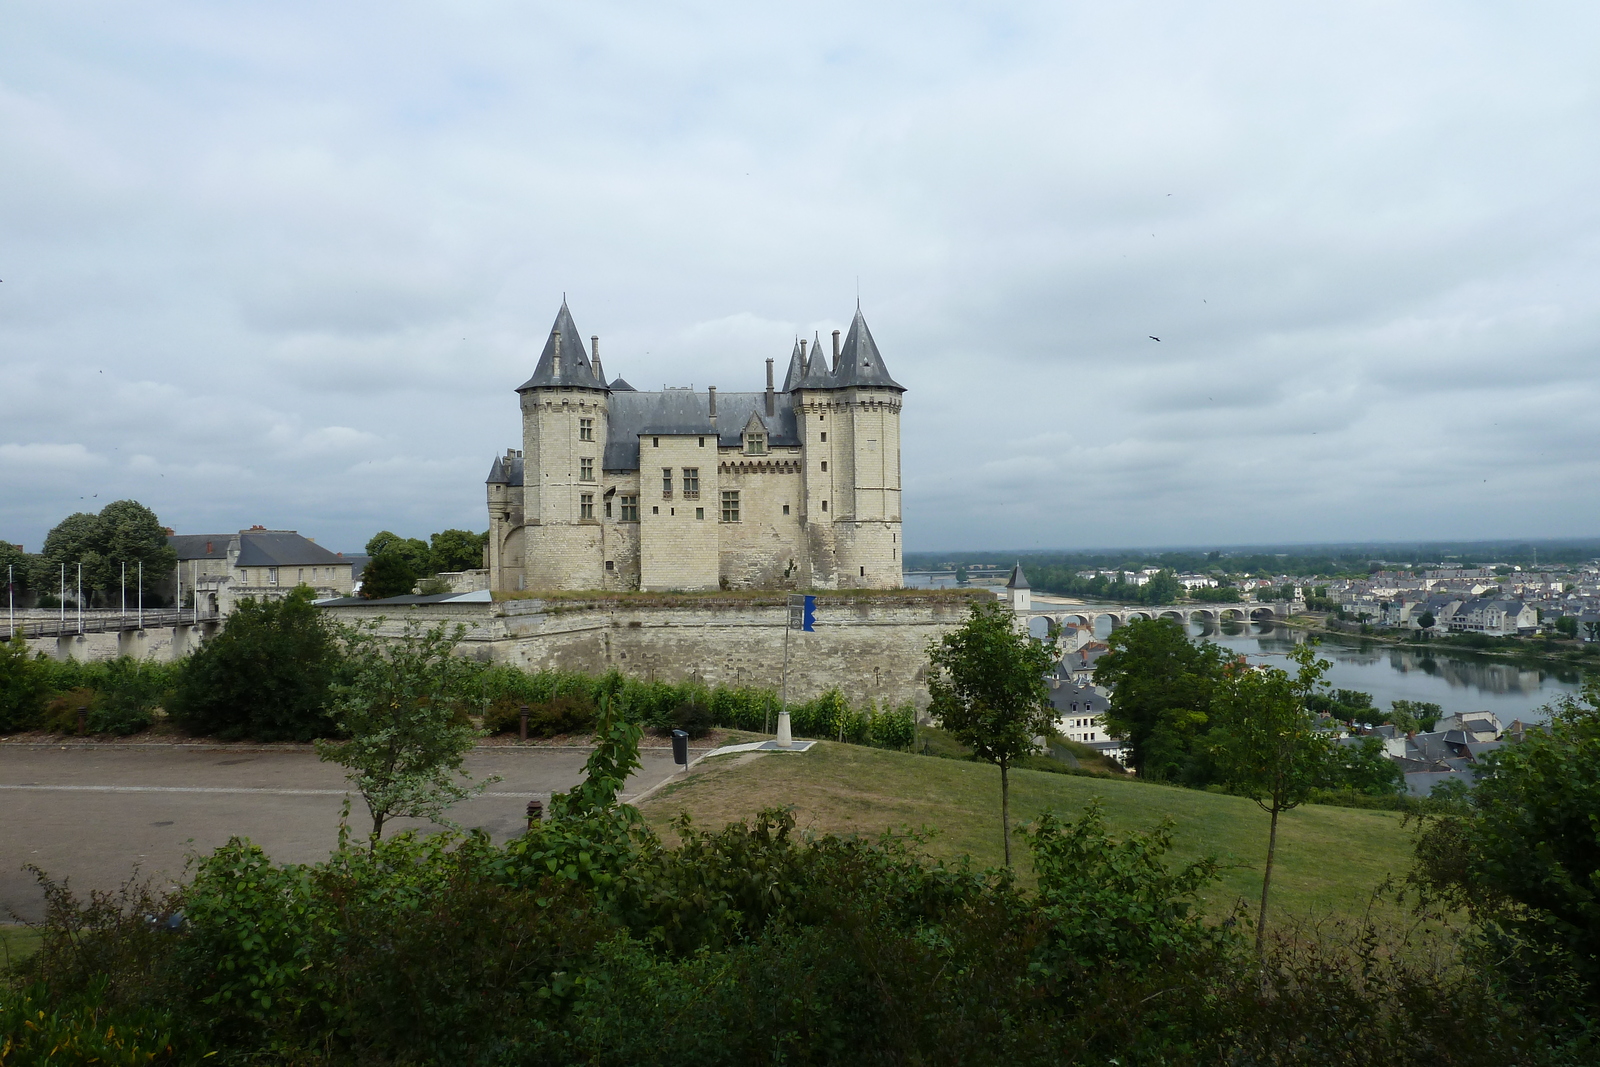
(869, 645)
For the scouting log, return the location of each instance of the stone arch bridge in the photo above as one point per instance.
(1060, 617)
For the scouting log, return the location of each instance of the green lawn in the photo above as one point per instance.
(16, 943)
(1329, 859)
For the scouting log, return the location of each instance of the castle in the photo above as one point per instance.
(618, 489)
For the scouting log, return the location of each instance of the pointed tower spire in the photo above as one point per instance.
(817, 375)
(573, 367)
(797, 369)
(859, 361)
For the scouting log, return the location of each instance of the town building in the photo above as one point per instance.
(617, 488)
(216, 571)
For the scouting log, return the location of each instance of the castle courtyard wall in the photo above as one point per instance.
(867, 645)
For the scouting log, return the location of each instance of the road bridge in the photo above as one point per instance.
(1060, 616)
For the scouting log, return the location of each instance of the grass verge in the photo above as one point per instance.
(1329, 859)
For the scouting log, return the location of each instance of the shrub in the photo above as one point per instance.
(69, 712)
(695, 720)
(266, 676)
(24, 688)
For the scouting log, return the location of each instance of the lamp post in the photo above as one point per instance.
(141, 594)
(80, 598)
(61, 623)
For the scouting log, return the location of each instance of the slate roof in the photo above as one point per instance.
(817, 375)
(621, 386)
(282, 548)
(575, 369)
(200, 546)
(1018, 581)
(1087, 700)
(257, 548)
(505, 471)
(688, 412)
(797, 369)
(859, 362)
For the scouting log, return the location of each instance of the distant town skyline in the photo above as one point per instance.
(285, 266)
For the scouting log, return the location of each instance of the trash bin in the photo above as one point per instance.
(680, 748)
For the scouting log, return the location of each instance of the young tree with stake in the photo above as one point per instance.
(988, 688)
(1267, 745)
(406, 741)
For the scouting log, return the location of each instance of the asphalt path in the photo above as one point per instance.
(98, 814)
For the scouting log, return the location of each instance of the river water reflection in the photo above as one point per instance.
(1455, 682)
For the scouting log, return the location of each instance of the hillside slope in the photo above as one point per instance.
(1329, 859)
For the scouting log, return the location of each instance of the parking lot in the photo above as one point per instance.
(96, 813)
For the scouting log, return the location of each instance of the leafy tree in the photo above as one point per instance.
(1162, 686)
(1567, 625)
(1522, 860)
(1365, 768)
(388, 574)
(21, 566)
(411, 549)
(1267, 746)
(1592, 627)
(1162, 588)
(406, 734)
(125, 531)
(456, 550)
(1427, 620)
(266, 675)
(23, 686)
(1413, 716)
(989, 691)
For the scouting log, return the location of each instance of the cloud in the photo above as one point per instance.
(292, 261)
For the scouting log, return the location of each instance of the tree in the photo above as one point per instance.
(388, 574)
(402, 711)
(1568, 626)
(125, 531)
(456, 550)
(21, 567)
(1427, 620)
(1413, 716)
(1162, 588)
(1268, 746)
(1365, 768)
(989, 691)
(266, 675)
(411, 549)
(1161, 685)
(1521, 860)
(1592, 627)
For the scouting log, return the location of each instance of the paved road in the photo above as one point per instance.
(94, 813)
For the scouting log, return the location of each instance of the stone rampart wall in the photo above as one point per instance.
(867, 646)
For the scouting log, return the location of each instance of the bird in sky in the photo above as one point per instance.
(1153, 337)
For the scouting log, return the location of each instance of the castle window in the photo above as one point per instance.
(666, 483)
(608, 509)
(824, 505)
(586, 470)
(655, 511)
(824, 435)
(824, 465)
(691, 483)
(586, 429)
(586, 505)
(699, 513)
(655, 442)
(863, 572)
(756, 444)
(730, 505)
(786, 509)
(630, 509)
(611, 564)
(702, 442)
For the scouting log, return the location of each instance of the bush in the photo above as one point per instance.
(266, 675)
(24, 686)
(695, 720)
(567, 714)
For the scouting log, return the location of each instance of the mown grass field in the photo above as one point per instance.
(17, 943)
(1329, 859)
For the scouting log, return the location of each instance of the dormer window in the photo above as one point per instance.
(755, 444)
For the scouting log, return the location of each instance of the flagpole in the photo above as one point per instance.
(141, 594)
(785, 733)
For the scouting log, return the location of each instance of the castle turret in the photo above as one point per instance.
(1019, 594)
(851, 415)
(565, 426)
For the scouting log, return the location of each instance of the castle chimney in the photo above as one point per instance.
(555, 361)
(836, 351)
(769, 389)
(594, 358)
(802, 352)
(711, 390)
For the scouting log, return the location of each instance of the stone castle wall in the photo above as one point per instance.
(868, 646)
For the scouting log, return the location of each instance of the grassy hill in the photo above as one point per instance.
(1329, 859)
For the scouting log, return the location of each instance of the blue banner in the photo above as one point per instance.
(811, 614)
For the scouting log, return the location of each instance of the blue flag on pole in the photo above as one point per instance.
(811, 614)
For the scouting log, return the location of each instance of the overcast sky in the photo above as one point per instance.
(286, 263)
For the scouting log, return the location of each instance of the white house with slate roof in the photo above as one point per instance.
(615, 488)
